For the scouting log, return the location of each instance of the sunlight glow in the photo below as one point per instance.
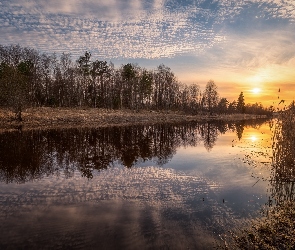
(256, 90)
(253, 138)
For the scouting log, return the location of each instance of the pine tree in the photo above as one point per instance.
(241, 103)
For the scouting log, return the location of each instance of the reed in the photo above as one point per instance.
(276, 229)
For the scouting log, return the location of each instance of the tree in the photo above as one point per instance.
(194, 92)
(129, 76)
(210, 96)
(222, 105)
(14, 87)
(165, 88)
(232, 107)
(145, 87)
(99, 71)
(84, 65)
(241, 104)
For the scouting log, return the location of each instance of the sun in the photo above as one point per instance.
(256, 90)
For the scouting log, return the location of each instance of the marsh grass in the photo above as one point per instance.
(283, 161)
(46, 117)
(276, 228)
(274, 231)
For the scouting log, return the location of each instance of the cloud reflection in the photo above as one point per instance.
(152, 204)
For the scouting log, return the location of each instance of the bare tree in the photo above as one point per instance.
(14, 87)
(210, 96)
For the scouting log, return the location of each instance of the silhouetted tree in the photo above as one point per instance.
(241, 104)
(232, 107)
(14, 86)
(99, 89)
(129, 75)
(28, 77)
(222, 105)
(210, 96)
(145, 87)
(84, 66)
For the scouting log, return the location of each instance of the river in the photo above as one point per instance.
(166, 186)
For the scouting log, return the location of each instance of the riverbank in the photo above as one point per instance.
(49, 118)
(274, 231)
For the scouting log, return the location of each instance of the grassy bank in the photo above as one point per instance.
(72, 117)
(275, 231)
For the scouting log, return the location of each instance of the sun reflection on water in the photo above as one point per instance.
(253, 138)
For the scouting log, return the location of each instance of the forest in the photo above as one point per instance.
(29, 78)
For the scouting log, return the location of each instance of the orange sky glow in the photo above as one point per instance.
(268, 79)
(241, 45)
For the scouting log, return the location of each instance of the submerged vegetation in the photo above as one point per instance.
(29, 78)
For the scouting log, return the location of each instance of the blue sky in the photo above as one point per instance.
(239, 44)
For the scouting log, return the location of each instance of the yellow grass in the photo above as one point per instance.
(46, 117)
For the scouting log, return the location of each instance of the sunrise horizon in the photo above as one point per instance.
(241, 45)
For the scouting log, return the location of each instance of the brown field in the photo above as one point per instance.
(46, 118)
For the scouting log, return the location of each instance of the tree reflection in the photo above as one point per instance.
(240, 129)
(30, 155)
(210, 131)
(209, 134)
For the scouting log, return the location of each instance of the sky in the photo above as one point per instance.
(240, 44)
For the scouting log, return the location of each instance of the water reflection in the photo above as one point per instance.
(30, 155)
(253, 138)
(169, 186)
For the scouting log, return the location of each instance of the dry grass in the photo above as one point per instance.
(277, 229)
(46, 117)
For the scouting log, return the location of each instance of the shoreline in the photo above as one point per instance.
(55, 118)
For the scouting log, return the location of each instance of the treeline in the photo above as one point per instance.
(31, 78)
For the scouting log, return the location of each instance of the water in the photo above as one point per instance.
(173, 186)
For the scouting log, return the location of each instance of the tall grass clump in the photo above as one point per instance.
(276, 229)
(283, 158)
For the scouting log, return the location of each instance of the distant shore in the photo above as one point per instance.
(50, 118)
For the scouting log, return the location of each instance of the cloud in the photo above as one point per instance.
(230, 34)
(232, 41)
(149, 33)
(107, 10)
